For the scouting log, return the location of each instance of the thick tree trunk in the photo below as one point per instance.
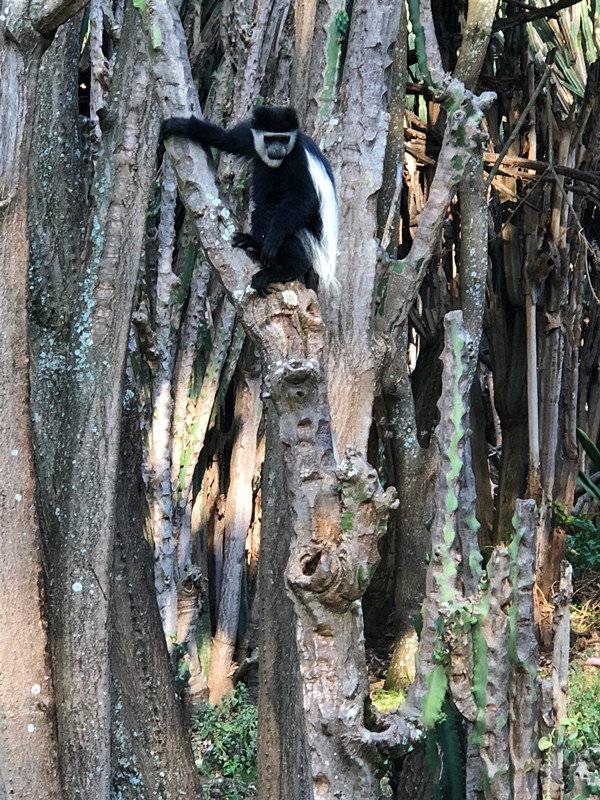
(88, 459)
(238, 514)
(108, 698)
(354, 133)
(283, 769)
(150, 751)
(29, 765)
(57, 214)
(334, 511)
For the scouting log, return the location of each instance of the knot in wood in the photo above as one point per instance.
(295, 381)
(192, 579)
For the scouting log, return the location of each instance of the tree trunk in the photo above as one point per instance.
(29, 765)
(283, 769)
(88, 455)
(357, 158)
(238, 514)
(150, 750)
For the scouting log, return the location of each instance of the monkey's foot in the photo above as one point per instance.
(246, 242)
(311, 280)
(260, 283)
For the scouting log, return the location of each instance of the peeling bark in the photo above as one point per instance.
(238, 514)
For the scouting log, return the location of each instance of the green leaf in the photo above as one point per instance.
(545, 743)
(590, 448)
(589, 486)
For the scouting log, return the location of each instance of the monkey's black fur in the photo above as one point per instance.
(285, 201)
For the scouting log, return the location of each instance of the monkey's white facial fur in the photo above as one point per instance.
(272, 147)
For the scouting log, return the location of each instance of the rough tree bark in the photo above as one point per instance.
(29, 765)
(283, 769)
(86, 246)
(323, 515)
(158, 459)
(150, 748)
(238, 514)
(88, 456)
(354, 132)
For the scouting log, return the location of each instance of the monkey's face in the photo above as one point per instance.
(273, 146)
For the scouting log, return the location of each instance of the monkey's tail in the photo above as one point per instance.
(321, 260)
(324, 249)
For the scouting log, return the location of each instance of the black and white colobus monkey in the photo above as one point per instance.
(295, 214)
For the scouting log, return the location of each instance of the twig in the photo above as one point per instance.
(535, 13)
(529, 191)
(520, 122)
(511, 163)
(580, 232)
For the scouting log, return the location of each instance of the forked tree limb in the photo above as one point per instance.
(338, 511)
(462, 141)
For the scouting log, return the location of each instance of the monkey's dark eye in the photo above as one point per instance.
(283, 139)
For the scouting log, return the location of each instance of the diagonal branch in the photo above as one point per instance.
(532, 14)
(47, 16)
(462, 141)
(196, 183)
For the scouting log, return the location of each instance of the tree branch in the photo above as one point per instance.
(428, 53)
(462, 139)
(474, 44)
(535, 13)
(46, 17)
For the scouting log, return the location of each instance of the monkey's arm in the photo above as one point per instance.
(237, 140)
